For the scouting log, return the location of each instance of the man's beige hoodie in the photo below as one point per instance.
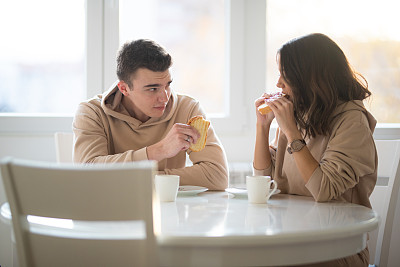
(105, 132)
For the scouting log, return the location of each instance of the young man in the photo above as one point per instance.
(142, 118)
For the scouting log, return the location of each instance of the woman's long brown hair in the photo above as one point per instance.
(320, 77)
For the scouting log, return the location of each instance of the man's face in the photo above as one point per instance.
(149, 94)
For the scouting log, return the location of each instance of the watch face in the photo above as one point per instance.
(297, 145)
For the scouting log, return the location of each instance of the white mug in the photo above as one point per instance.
(166, 186)
(259, 188)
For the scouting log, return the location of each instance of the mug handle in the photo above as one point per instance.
(273, 189)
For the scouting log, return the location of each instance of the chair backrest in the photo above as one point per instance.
(64, 146)
(384, 200)
(104, 213)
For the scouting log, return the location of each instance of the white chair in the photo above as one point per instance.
(64, 146)
(384, 200)
(106, 212)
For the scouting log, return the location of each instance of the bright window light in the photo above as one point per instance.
(192, 32)
(367, 31)
(42, 56)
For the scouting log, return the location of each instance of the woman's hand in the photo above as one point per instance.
(266, 119)
(262, 156)
(284, 114)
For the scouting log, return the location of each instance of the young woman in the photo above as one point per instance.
(323, 146)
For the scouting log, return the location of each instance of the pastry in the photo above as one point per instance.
(264, 108)
(201, 126)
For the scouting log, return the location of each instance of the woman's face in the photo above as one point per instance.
(282, 83)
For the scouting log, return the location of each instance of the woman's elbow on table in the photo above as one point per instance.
(318, 187)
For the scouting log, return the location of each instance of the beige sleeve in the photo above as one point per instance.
(262, 172)
(350, 154)
(91, 144)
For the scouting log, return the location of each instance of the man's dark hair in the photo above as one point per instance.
(138, 54)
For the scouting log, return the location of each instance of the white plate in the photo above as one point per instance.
(187, 190)
(243, 192)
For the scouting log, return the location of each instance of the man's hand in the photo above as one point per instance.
(178, 138)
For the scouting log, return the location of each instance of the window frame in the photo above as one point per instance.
(245, 64)
(102, 42)
(244, 79)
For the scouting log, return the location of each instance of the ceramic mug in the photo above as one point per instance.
(166, 186)
(259, 188)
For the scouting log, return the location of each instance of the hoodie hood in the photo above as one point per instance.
(111, 102)
(356, 105)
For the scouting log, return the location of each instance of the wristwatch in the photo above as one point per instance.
(296, 145)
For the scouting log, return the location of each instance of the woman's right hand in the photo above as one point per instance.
(262, 156)
(264, 120)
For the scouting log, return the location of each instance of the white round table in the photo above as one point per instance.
(220, 229)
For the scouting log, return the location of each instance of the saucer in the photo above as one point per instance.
(190, 190)
(243, 192)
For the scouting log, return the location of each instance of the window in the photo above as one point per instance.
(42, 56)
(367, 31)
(244, 42)
(192, 32)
